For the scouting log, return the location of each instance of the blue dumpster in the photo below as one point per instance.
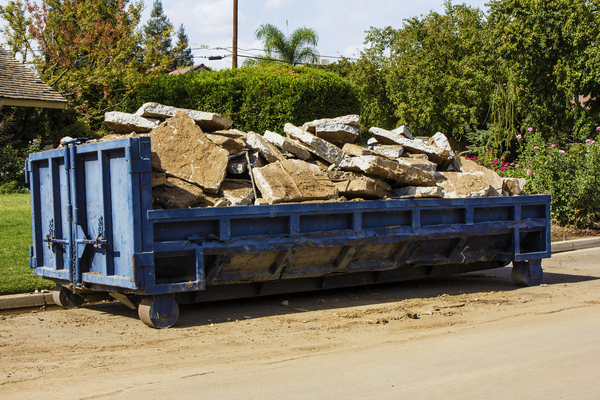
(94, 230)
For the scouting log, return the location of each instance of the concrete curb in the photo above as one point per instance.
(578, 244)
(25, 300)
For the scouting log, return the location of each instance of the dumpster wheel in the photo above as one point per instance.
(65, 298)
(527, 273)
(159, 311)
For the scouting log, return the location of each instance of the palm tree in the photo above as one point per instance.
(298, 48)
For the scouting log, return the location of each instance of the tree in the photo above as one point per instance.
(298, 48)
(182, 53)
(88, 50)
(434, 72)
(550, 54)
(18, 37)
(157, 38)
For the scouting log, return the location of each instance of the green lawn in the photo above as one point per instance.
(15, 239)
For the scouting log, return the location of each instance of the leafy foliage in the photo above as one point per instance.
(548, 52)
(16, 32)
(258, 99)
(430, 73)
(298, 48)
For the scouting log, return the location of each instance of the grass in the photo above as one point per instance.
(15, 239)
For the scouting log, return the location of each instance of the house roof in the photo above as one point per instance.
(186, 69)
(19, 86)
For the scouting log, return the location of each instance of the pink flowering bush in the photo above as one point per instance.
(571, 175)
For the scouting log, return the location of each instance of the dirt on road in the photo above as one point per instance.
(104, 350)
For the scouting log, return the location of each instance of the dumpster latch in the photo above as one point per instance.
(51, 239)
(99, 242)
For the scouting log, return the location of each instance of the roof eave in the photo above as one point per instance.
(33, 103)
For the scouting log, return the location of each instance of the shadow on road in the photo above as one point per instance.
(215, 312)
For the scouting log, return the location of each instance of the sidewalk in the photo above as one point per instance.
(44, 298)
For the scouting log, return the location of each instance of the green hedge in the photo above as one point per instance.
(257, 98)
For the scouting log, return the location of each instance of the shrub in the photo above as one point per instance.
(12, 159)
(257, 98)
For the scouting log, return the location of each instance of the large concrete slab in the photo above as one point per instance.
(293, 180)
(181, 149)
(206, 120)
(126, 123)
(388, 169)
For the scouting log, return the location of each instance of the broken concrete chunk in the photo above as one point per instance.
(364, 187)
(356, 150)
(233, 146)
(264, 147)
(316, 145)
(177, 194)
(372, 141)
(385, 168)
(464, 185)
(513, 186)
(419, 163)
(285, 144)
(391, 151)
(126, 123)
(158, 178)
(206, 120)
(238, 192)
(181, 149)
(231, 133)
(491, 177)
(417, 156)
(417, 192)
(352, 120)
(337, 133)
(293, 180)
(239, 165)
(435, 154)
(403, 131)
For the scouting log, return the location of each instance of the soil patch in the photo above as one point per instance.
(560, 233)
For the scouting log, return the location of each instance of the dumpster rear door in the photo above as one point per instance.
(87, 203)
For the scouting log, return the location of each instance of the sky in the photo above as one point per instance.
(340, 24)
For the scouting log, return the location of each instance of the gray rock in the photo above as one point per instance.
(391, 151)
(403, 131)
(337, 133)
(126, 123)
(264, 147)
(435, 154)
(206, 120)
(316, 145)
(284, 144)
(350, 120)
(388, 169)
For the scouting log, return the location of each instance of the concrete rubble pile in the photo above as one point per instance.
(198, 161)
